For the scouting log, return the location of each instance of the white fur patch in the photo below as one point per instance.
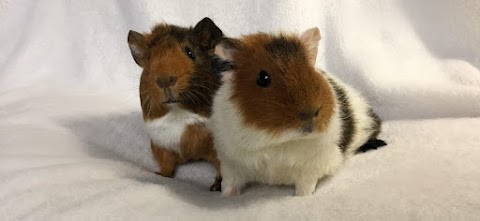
(167, 130)
(227, 76)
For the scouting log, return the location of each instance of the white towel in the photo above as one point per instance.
(72, 144)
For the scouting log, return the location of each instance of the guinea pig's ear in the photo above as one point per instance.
(138, 47)
(207, 33)
(310, 39)
(226, 47)
(223, 62)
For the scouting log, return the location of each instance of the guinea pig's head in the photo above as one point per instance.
(274, 83)
(176, 63)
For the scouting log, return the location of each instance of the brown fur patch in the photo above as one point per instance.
(166, 160)
(197, 144)
(196, 141)
(296, 87)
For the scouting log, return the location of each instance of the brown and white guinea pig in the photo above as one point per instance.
(176, 89)
(278, 120)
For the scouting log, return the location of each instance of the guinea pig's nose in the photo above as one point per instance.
(168, 81)
(308, 115)
(308, 128)
(317, 112)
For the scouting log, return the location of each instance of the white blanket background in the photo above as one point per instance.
(72, 145)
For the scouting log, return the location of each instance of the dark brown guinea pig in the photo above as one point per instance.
(176, 89)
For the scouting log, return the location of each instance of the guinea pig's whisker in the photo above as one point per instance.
(198, 91)
(151, 104)
(343, 118)
(200, 95)
(273, 103)
(204, 87)
(145, 100)
(148, 104)
(145, 97)
(195, 92)
(146, 91)
(191, 98)
(284, 126)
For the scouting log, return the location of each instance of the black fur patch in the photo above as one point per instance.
(346, 114)
(198, 96)
(285, 48)
(219, 65)
(371, 145)
(206, 34)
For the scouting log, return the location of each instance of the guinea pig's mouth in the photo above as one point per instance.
(170, 101)
(169, 97)
(307, 129)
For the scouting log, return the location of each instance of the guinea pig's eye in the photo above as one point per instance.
(190, 53)
(263, 79)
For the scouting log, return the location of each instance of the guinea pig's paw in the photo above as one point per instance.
(217, 185)
(305, 188)
(230, 191)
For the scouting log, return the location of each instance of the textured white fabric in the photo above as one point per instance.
(73, 147)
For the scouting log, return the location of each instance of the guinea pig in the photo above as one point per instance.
(278, 120)
(176, 90)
